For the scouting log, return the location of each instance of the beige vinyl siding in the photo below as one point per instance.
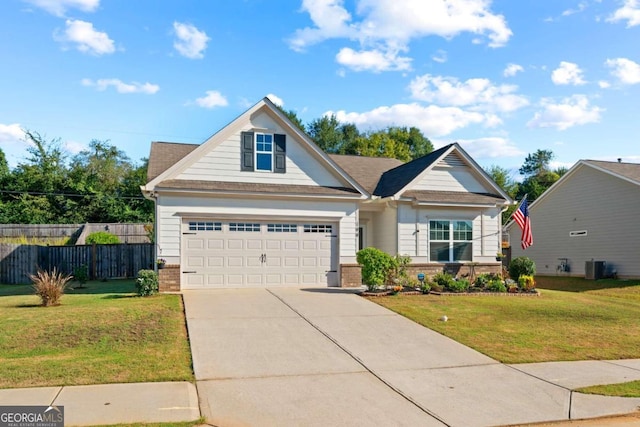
(605, 206)
(223, 162)
(486, 226)
(170, 208)
(459, 178)
(407, 236)
(385, 229)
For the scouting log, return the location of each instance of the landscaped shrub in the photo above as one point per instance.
(482, 280)
(521, 265)
(101, 238)
(425, 287)
(526, 282)
(443, 280)
(49, 285)
(398, 274)
(496, 285)
(376, 266)
(147, 283)
(459, 286)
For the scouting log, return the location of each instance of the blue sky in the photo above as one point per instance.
(503, 78)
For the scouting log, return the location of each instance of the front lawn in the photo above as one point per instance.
(573, 319)
(101, 334)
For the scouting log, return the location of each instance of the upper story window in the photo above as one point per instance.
(264, 152)
(450, 241)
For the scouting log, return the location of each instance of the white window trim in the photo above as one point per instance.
(256, 152)
(451, 240)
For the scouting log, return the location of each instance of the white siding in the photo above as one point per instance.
(605, 206)
(170, 207)
(407, 235)
(450, 179)
(385, 230)
(223, 162)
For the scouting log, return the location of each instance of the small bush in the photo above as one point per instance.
(425, 287)
(81, 274)
(443, 280)
(376, 266)
(496, 285)
(147, 283)
(526, 282)
(102, 238)
(398, 274)
(482, 280)
(459, 286)
(49, 286)
(520, 266)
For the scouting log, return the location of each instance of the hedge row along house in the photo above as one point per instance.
(259, 204)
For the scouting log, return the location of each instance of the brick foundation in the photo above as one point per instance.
(350, 276)
(169, 278)
(456, 270)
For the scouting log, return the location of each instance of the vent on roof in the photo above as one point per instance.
(452, 160)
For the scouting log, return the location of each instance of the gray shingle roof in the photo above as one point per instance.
(397, 178)
(365, 170)
(163, 155)
(250, 187)
(628, 170)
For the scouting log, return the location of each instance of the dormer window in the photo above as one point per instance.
(264, 152)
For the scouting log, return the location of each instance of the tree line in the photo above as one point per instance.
(101, 184)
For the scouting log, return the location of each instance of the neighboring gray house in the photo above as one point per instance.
(260, 204)
(590, 214)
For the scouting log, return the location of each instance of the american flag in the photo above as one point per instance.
(521, 216)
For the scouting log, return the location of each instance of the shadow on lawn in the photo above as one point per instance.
(579, 284)
(121, 288)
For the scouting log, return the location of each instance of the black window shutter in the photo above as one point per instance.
(246, 151)
(280, 163)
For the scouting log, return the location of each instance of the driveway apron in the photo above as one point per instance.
(309, 357)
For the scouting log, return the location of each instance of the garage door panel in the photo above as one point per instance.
(270, 254)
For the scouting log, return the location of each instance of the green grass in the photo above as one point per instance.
(176, 424)
(101, 334)
(573, 319)
(630, 389)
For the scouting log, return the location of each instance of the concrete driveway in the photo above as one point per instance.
(329, 357)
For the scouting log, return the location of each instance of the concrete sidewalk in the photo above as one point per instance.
(113, 403)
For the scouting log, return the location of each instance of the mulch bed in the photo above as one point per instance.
(384, 293)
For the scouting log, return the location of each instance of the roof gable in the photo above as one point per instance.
(366, 170)
(201, 162)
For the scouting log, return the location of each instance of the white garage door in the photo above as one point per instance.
(244, 253)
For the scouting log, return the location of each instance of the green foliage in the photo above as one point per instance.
(443, 280)
(397, 275)
(425, 287)
(459, 286)
(147, 283)
(482, 280)
(102, 238)
(81, 274)
(520, 266)
(496, 285)
(49, 286)
(376, 266)
(526, 282)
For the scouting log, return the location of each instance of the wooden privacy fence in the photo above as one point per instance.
(102, 261)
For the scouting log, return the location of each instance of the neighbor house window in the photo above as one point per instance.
(264, 152)
(450, 241)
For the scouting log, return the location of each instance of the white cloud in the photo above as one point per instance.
(86, 38)
(11, 133)
(440, 56)
(122, 87)
(275, 99)
(567, 73)
(629, 12)
(385, 27)
(478, 93)
(431, 120)
(626, 70)
(604, 84)
(74, 147)
(490, 147)
(512, 70)
(570, 112)
(191, 42)
(581, 7)
(212, 99)
(59, 7)
(372, 60)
